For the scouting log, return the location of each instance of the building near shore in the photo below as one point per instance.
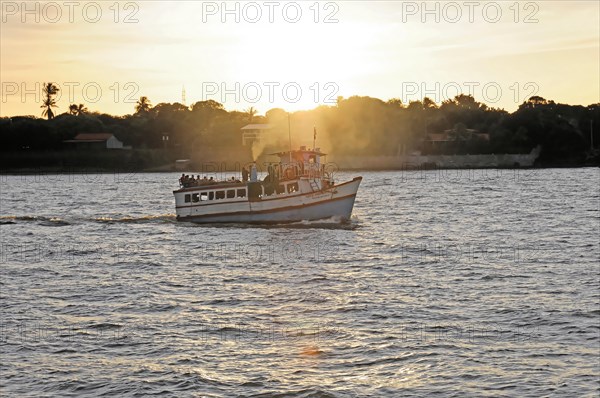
(252, 133)
(449, 140)
(419, 161)
(95, 141)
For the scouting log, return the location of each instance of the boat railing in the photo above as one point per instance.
(289, 171)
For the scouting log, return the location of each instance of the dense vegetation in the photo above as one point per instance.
(355, 126)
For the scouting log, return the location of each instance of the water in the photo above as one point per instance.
(457, 283)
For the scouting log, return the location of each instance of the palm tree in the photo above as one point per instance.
(77, 110)
(50, 90)
(143, 105)
(251, 112)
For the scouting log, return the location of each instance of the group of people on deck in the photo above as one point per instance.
(274, 174)
(189, 180)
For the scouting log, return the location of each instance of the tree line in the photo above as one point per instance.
(356, 125)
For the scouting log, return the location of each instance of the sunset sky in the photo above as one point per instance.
(380, 49)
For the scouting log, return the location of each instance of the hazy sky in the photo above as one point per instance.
(296, 55)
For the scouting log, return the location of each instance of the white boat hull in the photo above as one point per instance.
(336, 202)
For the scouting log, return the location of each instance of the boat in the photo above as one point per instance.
(296, 188)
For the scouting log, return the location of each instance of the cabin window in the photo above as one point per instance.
(220, 195)
(204, 196)
(195, 197)
(231, 194)
(293, 187)
(211, 195)
(280, 189)
(241, 193)
(188, 198)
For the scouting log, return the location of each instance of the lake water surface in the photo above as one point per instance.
(455, 283)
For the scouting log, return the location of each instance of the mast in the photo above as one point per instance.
(290, 136)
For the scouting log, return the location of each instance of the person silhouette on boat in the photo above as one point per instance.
(245, 174)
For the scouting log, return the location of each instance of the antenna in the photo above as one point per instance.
(183, 95)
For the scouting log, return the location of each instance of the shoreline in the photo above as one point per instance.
(103, 170)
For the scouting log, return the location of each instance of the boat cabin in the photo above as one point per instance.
(300, 163)
(297, 172)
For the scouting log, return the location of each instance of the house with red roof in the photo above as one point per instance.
(95, 141)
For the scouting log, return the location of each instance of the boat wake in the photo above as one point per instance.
(42, 220)
(60, 221)
(328, 223)
(50, 221)
(139, 219)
